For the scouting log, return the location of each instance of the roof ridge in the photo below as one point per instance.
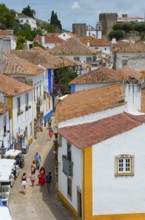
(134, 117)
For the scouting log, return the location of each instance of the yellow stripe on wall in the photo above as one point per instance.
(87, 183)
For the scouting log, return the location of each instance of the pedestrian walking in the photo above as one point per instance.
(24, 182)
(37, 158)
(49, 181)
(33, 167)
(32, 178)
(41, 176)
(50, 133)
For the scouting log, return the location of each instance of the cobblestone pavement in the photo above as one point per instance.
(38, 203)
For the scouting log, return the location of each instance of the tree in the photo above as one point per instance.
(7, 17)
(118, 34)
(117, 26)
(62, 77)
(48, 27)
(127, 27)
(139, 27)
(20, 42)
(29, 12)
(55, 22)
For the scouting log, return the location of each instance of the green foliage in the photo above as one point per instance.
(62, 77)
(7, 17)
(26, 31)
(55, 22)
(118, 34)
(36, 44)
(117, 26)
(127, 27)
(48, 27)
(29, 12)
(139, 27)
(20, 42)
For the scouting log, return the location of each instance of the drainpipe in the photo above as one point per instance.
(1, 55)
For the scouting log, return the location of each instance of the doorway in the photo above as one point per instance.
(79, 203)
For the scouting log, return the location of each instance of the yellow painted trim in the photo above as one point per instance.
(87, 183)
(30, 141)
(136, 216)
(66, 202)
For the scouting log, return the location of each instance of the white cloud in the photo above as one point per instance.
(76, 5)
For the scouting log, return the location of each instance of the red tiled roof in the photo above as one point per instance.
(4, 108)
(53, 39)
(94, 42)
(12, 87)
(13, 65)
(88, 134)
(72, 47)
(99, 75)
(135, 48)
(88, 102)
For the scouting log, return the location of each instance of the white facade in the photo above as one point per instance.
(64, 36)
(125, 193)
(90, 31)
(92, 117)
(25, 19)
(76, 155)
(22, 122)
(82, 87)
(5, 136)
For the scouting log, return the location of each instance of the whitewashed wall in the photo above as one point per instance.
(77, 172)
(28, 20)
(81, 87)
(37, 81)
(116, 195)
(133, 98)
(5, 139)
(92, 117)
(24, 120)
(64, 36)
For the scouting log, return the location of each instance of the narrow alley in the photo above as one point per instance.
(38, 203)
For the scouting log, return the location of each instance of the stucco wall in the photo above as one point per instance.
(122, 194)
(77, 171)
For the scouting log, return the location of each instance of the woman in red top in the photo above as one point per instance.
(41, 180)
(50, 133)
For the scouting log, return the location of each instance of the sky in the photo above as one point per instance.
(78, 11)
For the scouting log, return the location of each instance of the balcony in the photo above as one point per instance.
(67, 166)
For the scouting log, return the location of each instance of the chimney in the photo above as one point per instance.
(7, 45)
(88, 43)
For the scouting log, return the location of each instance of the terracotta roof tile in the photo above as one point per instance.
(89, 102)
(12, 87)
(99, 75)
(4, 107)
(94, 42)
(129, 72)
(14, 65)
(49, 39)
(73, 47)
(41, 56)
(84, 135)
(135, 48)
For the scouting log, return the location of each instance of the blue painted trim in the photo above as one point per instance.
(48, 115)
(49, 81)
(72, 88)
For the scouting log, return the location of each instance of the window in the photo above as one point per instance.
(27, 99)
(124, 165)
(69, 187)
(5, 123)
(124, 62)
(60, 140)
(88, 60)
(77, 58)
(69, 151)
(18, 104)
